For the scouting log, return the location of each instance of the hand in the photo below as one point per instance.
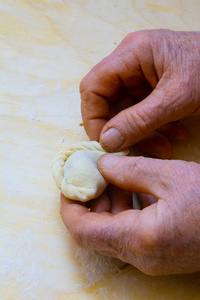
(151, 79)
(164, 237)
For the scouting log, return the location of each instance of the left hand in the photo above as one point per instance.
(162, 238)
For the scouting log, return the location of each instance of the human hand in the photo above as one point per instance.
(162, 238)
(152, 78)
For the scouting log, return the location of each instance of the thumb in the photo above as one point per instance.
(137, 174)
(134, 123)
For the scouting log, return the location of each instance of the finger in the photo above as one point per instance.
(157, 145)
(139, 174)
(95, 113)
(139, 92)
(100, 204)
(102, 85)
(136, 122)
(174, 131)
(130, 235)
(91, 230)
(121, 200)
(146, 200)
(81, 205)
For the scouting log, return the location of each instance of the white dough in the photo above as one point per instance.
(75, 171)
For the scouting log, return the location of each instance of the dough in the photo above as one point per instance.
(75, 171)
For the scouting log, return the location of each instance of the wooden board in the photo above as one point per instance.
(46, 49)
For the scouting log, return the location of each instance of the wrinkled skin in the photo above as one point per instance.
(140, 92)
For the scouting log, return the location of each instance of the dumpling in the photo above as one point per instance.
(75, 171)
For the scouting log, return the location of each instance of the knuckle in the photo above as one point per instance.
(129, 37)
(82, 85)
(139, 41)
(84, 101)
(150, 239)
(141, 37)
(79, 235)
(150, 251)
(155, 250)
(78, 240)
(133, 168)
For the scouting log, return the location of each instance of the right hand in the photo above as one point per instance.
(164, 237)
(152, 78)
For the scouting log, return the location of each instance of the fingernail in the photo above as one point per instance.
(112, 139)
(108, 161)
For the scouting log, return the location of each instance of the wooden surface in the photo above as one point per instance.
(46, 48)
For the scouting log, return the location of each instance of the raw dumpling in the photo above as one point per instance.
(75, 171)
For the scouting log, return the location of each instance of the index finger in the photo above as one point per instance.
(102, 232)
(101, 86)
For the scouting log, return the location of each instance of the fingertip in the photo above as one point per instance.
(107, 161)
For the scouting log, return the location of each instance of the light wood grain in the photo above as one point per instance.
(46, 48)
